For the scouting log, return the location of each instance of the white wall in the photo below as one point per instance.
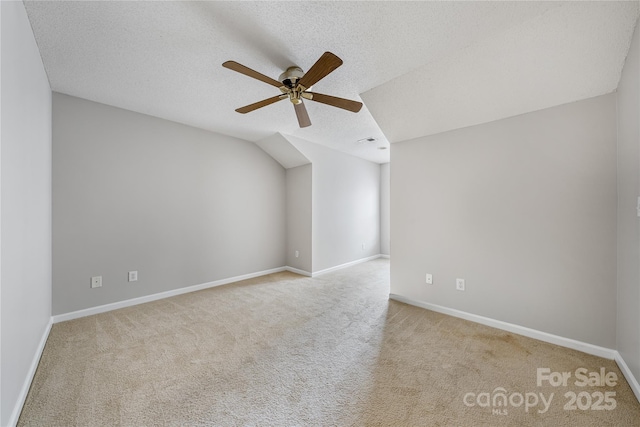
(299, 214)
(25, 281)
(385, 208)
(180, 205)
(628, 98)
(524, 209)
(346, 206)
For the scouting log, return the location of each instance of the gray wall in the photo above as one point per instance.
(385, 208)
(180, 205)
(25, 282)
(628, 98)
(523, 209)
(346, 206)
(299, 214)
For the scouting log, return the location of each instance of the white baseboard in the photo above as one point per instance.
(345, 265)
(22, 397)
(154, 297)
(631, 379)
(595, 350)
(385, 256)
(298, 271)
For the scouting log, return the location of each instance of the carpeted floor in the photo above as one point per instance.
(287, 350)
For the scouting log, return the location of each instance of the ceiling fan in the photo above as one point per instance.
(296, 85)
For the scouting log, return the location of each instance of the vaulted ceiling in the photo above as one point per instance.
(420, 67)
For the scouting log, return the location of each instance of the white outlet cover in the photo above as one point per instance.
(460, 284)
(133, 276)
(429, 279)
(96, 281)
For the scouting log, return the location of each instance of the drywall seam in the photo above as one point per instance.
(22, 397)
(631, 379)
(584, 347)
(161, 295)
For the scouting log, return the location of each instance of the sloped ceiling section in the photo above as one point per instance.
(164, 58)
(571, 52)
(422, 67)
(278, 147)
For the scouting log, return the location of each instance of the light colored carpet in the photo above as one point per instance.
(287, 350)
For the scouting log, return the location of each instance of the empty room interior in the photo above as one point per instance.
(320, 213)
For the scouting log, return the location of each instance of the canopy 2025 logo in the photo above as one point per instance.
(500, 400)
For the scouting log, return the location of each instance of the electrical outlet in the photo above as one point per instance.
(133, 276)
(429, 279)
(460, 284)
(96, 281)
(297, 254)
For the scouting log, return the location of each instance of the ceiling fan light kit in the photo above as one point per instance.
(296, 85)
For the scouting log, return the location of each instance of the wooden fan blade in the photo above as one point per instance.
(334, 101)
(248, 108)
(303, 116)
(323, 66)
(232, 65)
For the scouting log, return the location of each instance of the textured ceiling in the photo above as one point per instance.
(423, 67)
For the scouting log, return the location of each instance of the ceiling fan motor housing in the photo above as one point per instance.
(290, 77)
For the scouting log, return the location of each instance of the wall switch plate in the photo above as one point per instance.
(460, 284)
(96, 281)
(429, 279)
(133, 276)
